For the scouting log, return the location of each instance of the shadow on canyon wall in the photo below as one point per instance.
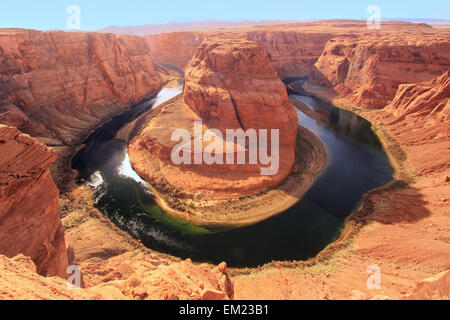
(397, 202)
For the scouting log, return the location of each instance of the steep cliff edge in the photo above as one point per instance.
(62, 85)
(427, 102)
(29, 213)
(294, 50)
(291, 52)
(176, 48)
(367, 69)
(403, 227)
(32, 242)
(418, 118)
(230, 84)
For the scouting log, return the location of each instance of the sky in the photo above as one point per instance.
(97, 14)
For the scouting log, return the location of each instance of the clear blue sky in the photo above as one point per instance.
(96, 14)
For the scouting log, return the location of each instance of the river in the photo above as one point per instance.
(356, 165)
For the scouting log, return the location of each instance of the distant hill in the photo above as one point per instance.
(212, 24)
(196, 25)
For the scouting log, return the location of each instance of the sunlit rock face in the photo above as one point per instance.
(292, 52)
(368, 69)
(29, 212)
(230, 84)
(176, 48)
(62, 85)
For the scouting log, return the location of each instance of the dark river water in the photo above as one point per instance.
(356, 165)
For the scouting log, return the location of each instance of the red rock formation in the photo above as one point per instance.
(362, 64)
(64, 85)
(29, 213)
(434, 288)
(175, 49)
(426, 102)
(228, 85)
(131, 276)
(233, 85)
(408, 225)
(419, 118)
(369, 68)
(292, 53)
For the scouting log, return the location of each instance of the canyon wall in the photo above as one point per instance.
(366, 66)
(29, 212)
(62, 85)
(292, 53)
(426, 101)
(368, 69)
(233, 85)
(175, 49)
(418, 117)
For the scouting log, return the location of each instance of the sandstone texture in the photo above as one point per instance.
(62, 85)
(141, 277)
(29, 212)
(402, 228)
(369, 69)
(175, 49)
(114, 266)
(294, 49)
(227, 86)
(434, 288)
(397, 78)
(230, 84)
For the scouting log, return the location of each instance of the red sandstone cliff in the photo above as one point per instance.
(292, 53)
(29, 212)
(368, 69)
(419, 118)
(366, 66)
(233, 85)
(175, 49)
(63, 85)
(408, 233)
(427, 102)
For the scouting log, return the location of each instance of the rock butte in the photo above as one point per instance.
(403, 227)
(229, 84)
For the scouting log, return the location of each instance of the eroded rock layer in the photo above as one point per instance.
(233, 85)
(228, 85)
(364, 65)
(63, 85)
(127, 277)
(29, 212)
(370, 69)
(176, 49)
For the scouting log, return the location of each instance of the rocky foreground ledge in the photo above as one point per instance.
(229, 85)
